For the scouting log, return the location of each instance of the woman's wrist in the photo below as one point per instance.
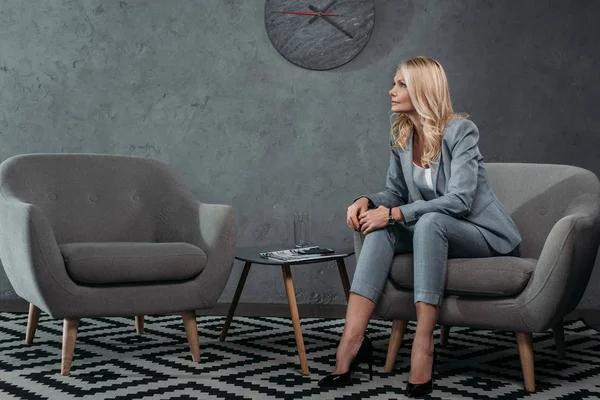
(397, 214)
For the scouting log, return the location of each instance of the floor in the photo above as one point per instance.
(259, 360)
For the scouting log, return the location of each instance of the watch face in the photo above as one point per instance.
(319, 34)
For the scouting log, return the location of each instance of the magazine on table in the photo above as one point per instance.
(301, 254)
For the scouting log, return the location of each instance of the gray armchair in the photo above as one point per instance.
(557, 210)
(88, 235)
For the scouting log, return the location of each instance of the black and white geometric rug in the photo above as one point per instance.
(259, 361)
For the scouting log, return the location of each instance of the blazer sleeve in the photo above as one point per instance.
(464, 169)
(396, 191)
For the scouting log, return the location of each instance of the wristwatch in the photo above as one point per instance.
(391, 220)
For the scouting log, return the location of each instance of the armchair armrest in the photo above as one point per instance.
(31, 257)
(563, 269)
(211, 227)
(218, 236)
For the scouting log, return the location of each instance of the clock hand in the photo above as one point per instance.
(335, 25)
(316, 14)
(327, 7)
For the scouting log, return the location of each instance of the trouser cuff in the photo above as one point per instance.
(365, 290)
(428, 297)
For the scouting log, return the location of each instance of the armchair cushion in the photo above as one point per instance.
(131, 262)
(493, 277)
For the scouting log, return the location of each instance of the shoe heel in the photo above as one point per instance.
(364, 355)
(367, 356)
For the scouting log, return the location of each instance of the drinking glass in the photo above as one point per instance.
(300, 229)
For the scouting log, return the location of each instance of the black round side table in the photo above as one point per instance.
(251, 255)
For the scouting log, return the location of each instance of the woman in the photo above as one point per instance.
(437, 204)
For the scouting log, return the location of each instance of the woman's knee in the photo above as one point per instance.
(383, 233)
(432, 220)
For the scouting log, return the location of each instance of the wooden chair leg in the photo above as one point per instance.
(398, 329)
(191, 330)
(139, 324)
(444, 335)
(32, 323)
(559, 338)
(525, 344)
(70, 327)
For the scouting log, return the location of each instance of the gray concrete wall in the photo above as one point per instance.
(198, 85)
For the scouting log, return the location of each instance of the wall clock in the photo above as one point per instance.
(319, 34)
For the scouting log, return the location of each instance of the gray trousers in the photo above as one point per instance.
(432, 240)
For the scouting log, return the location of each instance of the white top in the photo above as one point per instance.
(422, 178)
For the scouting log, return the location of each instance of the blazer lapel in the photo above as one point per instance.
(407, 168)
(435, 170)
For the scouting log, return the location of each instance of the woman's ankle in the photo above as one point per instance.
(423, 343)
(352, 337)
(346, 352)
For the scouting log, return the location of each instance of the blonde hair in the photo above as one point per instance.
(428, 90)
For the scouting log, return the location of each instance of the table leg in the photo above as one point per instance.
(234, 302)
(289, 288)
(344, 275)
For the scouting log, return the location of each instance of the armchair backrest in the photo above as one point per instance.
(93, 197)
(538, 195)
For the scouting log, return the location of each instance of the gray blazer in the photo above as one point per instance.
(461, 185)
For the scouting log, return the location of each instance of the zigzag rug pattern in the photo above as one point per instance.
(259, 361)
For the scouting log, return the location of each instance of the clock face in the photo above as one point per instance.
(319, 34)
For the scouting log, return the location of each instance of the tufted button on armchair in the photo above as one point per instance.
(557, 211)
(90, 235)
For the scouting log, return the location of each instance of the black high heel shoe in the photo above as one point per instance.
(364, 355)
(414, 390)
